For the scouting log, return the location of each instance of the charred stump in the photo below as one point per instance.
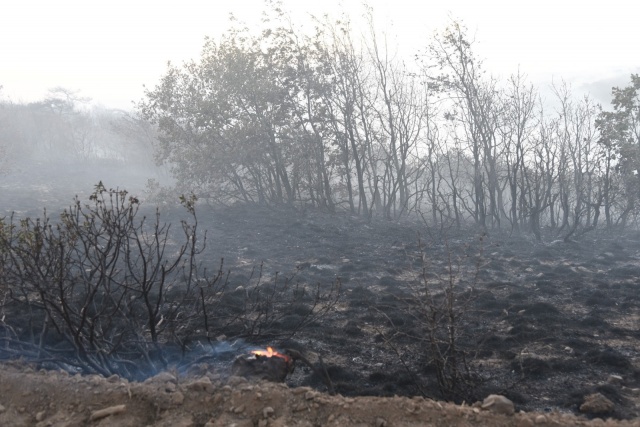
(264, 365)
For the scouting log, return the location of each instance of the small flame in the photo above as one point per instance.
(270, 352)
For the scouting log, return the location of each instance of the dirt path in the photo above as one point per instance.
(47, 398)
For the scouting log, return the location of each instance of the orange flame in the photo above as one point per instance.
(270, 352)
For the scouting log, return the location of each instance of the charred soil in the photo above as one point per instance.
(546, 325)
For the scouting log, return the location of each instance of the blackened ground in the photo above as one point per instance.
(549, 322)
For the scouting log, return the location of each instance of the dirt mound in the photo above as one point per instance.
(49, 398)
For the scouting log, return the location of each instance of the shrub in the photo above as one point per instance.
(439, 307)
(107, 291)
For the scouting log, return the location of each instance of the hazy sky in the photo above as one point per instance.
(109, 49)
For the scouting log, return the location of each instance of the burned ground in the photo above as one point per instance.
(546, 325)
(549, 322)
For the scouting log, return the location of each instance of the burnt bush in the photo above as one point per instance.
(538, 310)
(352, 329)
(594, 321)
(530, 367)
(360, 296)
(565, 365)
(434, 320)
(523, 331)
(489, 304)
(389, 281)
(107, 290)
(518, 296)
(609, 357)
(598, 300)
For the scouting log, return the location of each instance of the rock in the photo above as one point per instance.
(162, 377)
(202, 384)
(177, 398)
(60, 419)
(113, 378)
(176, 421)
(40, 416)
(226, 420)
(410, 408)
(267, 411)
(95, 379)
(235, 381)
(381, 422)
(301, 390)
(498, 404)
(615, 379)
(300, 407)
(596, 404)
(2, 409)
(541, 419)
(111, 410)
(525, 422)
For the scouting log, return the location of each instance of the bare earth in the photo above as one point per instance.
(47, 398)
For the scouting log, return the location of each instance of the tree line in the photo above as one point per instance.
(63, 128)
(339, 121)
